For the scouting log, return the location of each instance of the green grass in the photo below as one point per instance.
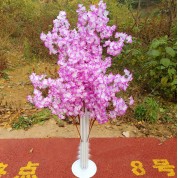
(26, 122)
(147, 111)
(59, 122)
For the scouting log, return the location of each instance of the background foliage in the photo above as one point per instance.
(151, 57)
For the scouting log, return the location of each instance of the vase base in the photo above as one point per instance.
(84, 173)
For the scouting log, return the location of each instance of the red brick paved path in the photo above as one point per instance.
(113, 156)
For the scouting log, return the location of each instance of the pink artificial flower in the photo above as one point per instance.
(131, 102)
(82, 73)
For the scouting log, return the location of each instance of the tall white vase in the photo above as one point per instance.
(83, 167)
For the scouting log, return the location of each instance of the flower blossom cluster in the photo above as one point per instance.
(83, 82)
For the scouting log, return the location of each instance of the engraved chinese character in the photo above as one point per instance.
(163, 166)
(2, 169)
(28, 171)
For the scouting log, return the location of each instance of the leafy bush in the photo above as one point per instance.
(147, 111)
(140, 112)
(160, 67)
(153, 66)
(155, 70)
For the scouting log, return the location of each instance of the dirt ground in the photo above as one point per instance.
(51, 129)
(13, 94)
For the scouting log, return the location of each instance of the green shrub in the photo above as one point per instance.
(160, 67)
(153, 66)
(140, 112)
(147, 111)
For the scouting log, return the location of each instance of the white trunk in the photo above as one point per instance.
(83, 167)
(84, 144)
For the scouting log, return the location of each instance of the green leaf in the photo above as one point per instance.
(154, 44)
(171, 71)
(164, 81)
(165, 62)
(162, 67)
(170, 51)
(151, 63)
(136, 53)
(173, 64)
(161, 109)
(158, 42)
(152, 73)
(174, 82)
(154, 53)
(128, 51)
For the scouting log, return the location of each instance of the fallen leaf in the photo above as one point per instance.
(126, 134)
(31, 150)
(9, 129)
(108, 127)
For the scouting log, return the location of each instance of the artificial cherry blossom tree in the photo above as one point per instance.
(84, 54)
(83, 81)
